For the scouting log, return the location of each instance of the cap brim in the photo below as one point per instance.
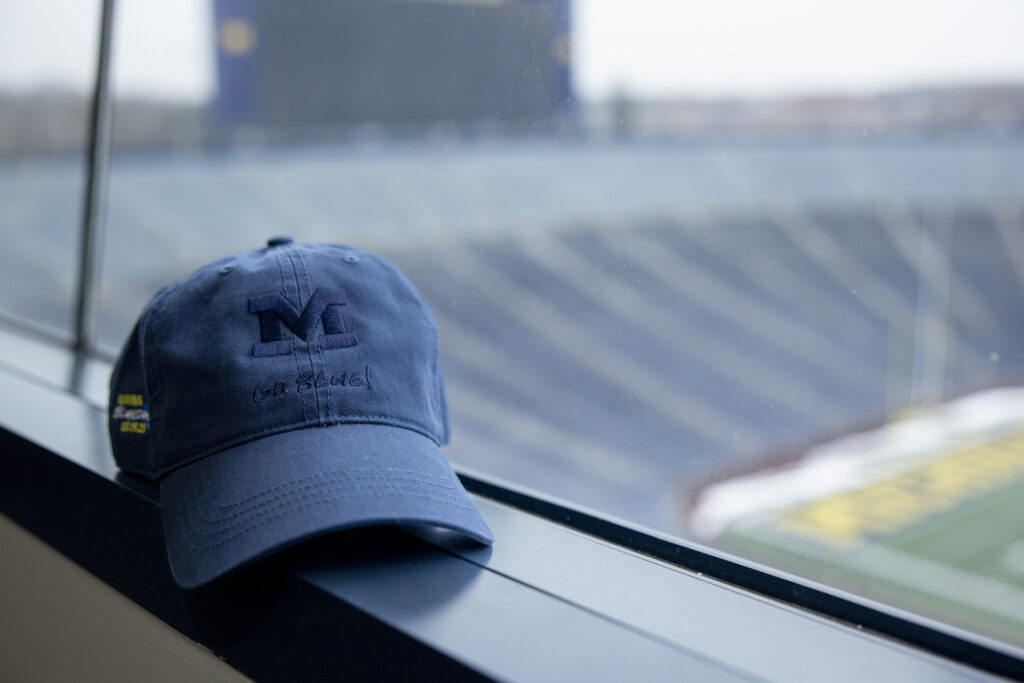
(237, 506)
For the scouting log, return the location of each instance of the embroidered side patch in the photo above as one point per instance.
(132, 412)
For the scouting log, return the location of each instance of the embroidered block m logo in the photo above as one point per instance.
(273, 309)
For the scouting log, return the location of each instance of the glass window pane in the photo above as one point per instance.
(48, 53)
(741, 272)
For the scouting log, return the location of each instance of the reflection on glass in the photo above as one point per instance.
(673, 257)
(47, 68)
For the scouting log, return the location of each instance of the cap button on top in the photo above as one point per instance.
(278, 241)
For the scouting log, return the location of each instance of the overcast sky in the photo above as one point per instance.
(646, 47)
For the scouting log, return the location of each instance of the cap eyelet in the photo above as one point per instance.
(226, 269)
(350, 258)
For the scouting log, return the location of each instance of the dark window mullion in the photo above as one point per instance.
(97, 157)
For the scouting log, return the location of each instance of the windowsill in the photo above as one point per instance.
(547, 601)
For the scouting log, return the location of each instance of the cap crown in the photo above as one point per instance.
(287, 337)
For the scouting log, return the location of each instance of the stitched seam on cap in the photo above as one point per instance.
(384, 420)
(292, 254)
(323, 414)
(279, 257)
(148, 333)
(294, 504)
(281, 511)
(333, 475)
(447, 490)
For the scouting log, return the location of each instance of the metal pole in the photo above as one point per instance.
(97, 157)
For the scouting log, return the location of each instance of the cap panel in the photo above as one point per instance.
(213, 390)
(198, 362)
(396, 340)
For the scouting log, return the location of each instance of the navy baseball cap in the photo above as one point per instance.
(280, 394)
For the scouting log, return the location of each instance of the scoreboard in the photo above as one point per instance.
(328, 63)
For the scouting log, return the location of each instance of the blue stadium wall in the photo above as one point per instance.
(305, 64)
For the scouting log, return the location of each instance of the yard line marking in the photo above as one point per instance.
(952, 583)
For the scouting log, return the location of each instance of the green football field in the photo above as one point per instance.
(945, 539)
